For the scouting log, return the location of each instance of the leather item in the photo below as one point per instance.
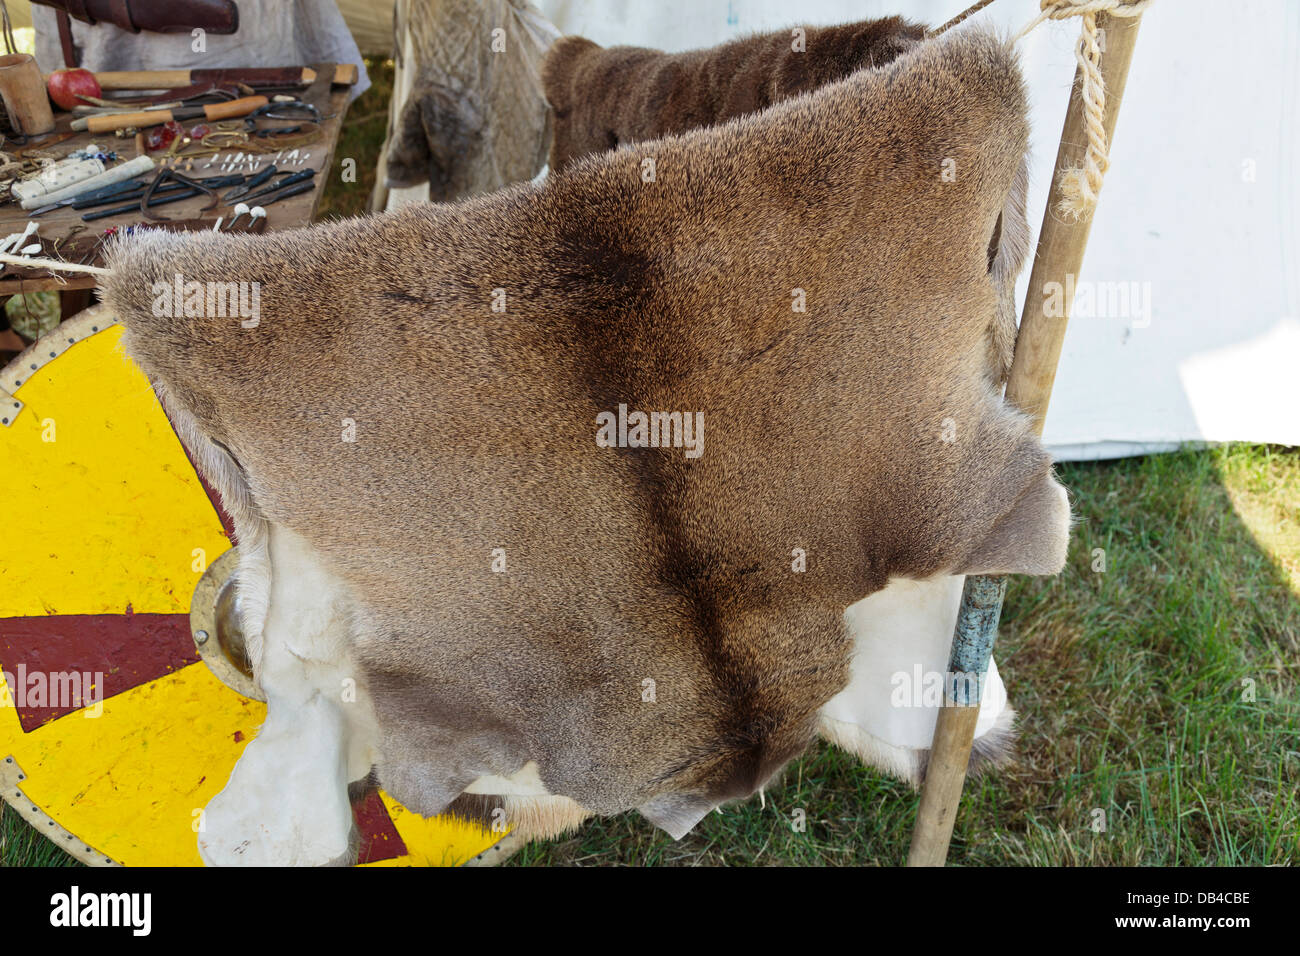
(219, 17)
(71, 56)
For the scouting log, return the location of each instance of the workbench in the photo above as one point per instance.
(330, 98)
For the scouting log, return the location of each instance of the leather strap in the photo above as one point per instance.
(70, 58)
(218, 17)
(77, 8)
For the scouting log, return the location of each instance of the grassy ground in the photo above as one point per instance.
(361, 140)
(1129, 682)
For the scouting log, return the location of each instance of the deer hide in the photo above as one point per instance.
(653, 621)
(605, 98)
(602, 99)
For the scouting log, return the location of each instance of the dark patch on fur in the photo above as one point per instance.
(438, 130)
(477, 809)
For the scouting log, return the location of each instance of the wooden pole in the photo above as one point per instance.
(1059, 256)
(1061, 243)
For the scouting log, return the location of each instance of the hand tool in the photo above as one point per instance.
(173, 174)
(240, 210)
(256, 220)
(139, 190)
(295, 190)
(256, 180)
(106, 192)
(295, 179)
(213, 111)
(135, 206)
(297, 110)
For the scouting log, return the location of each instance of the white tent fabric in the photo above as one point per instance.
(1186, 322)
(271, 32)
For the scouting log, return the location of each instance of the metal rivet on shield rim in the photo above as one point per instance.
(200, 637)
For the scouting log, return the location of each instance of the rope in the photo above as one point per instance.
(54, 265)
(1079, 185)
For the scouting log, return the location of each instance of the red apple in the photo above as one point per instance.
(66, 85)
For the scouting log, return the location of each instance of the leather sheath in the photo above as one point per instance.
(219, 17)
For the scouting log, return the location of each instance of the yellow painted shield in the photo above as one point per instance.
(114, 733)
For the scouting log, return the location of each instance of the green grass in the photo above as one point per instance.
(361, 140)
(1128, 682)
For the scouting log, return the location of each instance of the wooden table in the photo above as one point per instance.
(330, 99)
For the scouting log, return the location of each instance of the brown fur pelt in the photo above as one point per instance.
(863, 432)
(605, 98)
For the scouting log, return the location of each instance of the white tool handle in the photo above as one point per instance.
(55, 177)
(128, 170)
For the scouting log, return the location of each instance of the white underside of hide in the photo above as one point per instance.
(901, 636)
(286, 803)
(524, 782)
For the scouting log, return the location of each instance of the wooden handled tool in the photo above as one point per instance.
(345, 74)
(213, 111)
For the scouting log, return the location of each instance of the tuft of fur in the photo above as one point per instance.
(865, 432)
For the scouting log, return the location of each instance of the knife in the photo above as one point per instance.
(107, 122)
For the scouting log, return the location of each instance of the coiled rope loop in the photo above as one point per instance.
(1079, 185)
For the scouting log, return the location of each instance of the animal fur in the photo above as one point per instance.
(603, 99)
(606, 98)
(866, 431)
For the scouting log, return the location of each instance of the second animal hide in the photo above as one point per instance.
(604, 98)
(803, 285)
(475, 117)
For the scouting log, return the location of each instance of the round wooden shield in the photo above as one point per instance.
(120, 714)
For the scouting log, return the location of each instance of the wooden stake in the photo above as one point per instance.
(1061, 245)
